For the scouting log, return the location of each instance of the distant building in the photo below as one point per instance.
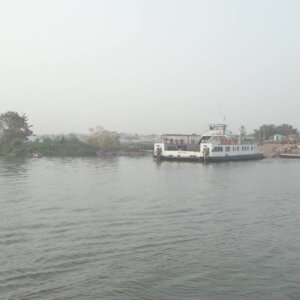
(135, 138)
(278, 138)
(33, 138)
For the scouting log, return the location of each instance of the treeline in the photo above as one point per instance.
(15, 133)
(60, 145)
(267, 131)
(17, 139)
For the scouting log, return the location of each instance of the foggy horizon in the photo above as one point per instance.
(150, 67)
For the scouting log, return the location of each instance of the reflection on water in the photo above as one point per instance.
(12, 166)
(128, 228)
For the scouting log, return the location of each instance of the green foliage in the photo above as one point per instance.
(57, 146)
(16, 143)
(268, 130)
(286, 129)
(13, 126)
(132, 147)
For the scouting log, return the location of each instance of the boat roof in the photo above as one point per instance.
(218, 125)
(180, 134)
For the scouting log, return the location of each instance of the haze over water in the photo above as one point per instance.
(150, 66)
(127, 228)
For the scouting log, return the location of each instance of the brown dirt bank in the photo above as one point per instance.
(273, 150)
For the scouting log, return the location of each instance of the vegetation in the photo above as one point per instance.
(104, 140)
(62, 145)
(266, 131)
(13, 126)
(14, 129)
(136, 147)
(14, 133)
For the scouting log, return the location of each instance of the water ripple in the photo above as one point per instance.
(126, 228)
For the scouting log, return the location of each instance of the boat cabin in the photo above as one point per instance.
(181, 142)
(217, 129)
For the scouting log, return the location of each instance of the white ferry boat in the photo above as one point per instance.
(218, 144)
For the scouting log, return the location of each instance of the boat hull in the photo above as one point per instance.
(168, 158)
(235, 158)
(213, 159)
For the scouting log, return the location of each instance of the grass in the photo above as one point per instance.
(51, 148)
(132, 147)
(65, 147)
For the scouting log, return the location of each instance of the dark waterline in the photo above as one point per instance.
(127, 228)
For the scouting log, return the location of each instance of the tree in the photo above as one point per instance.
(268, 130)
(103, 139)
(13, 126)
(286, 129)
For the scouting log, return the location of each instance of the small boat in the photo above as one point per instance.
(37, 155)
(218, 144)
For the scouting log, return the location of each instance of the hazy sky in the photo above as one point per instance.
(150, 66)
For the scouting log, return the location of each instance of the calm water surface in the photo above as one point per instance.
(127, 228)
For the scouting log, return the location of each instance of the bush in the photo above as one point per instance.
(55, 147)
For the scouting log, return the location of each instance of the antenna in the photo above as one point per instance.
(222, 118)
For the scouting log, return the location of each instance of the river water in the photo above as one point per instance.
(128, 228)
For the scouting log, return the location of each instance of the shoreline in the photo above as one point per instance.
(273, 150)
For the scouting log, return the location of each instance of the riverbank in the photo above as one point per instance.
(74, 148)
(274, 150)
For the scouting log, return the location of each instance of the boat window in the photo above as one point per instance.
(227, 149)
(217, 149)
(205, 139)
(171, 148)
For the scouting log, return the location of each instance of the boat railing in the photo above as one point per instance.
(179, 139)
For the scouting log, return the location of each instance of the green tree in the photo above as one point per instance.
(264, 132)
(103, 139)
(14, 126)
(268, 130)
(286, 129)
